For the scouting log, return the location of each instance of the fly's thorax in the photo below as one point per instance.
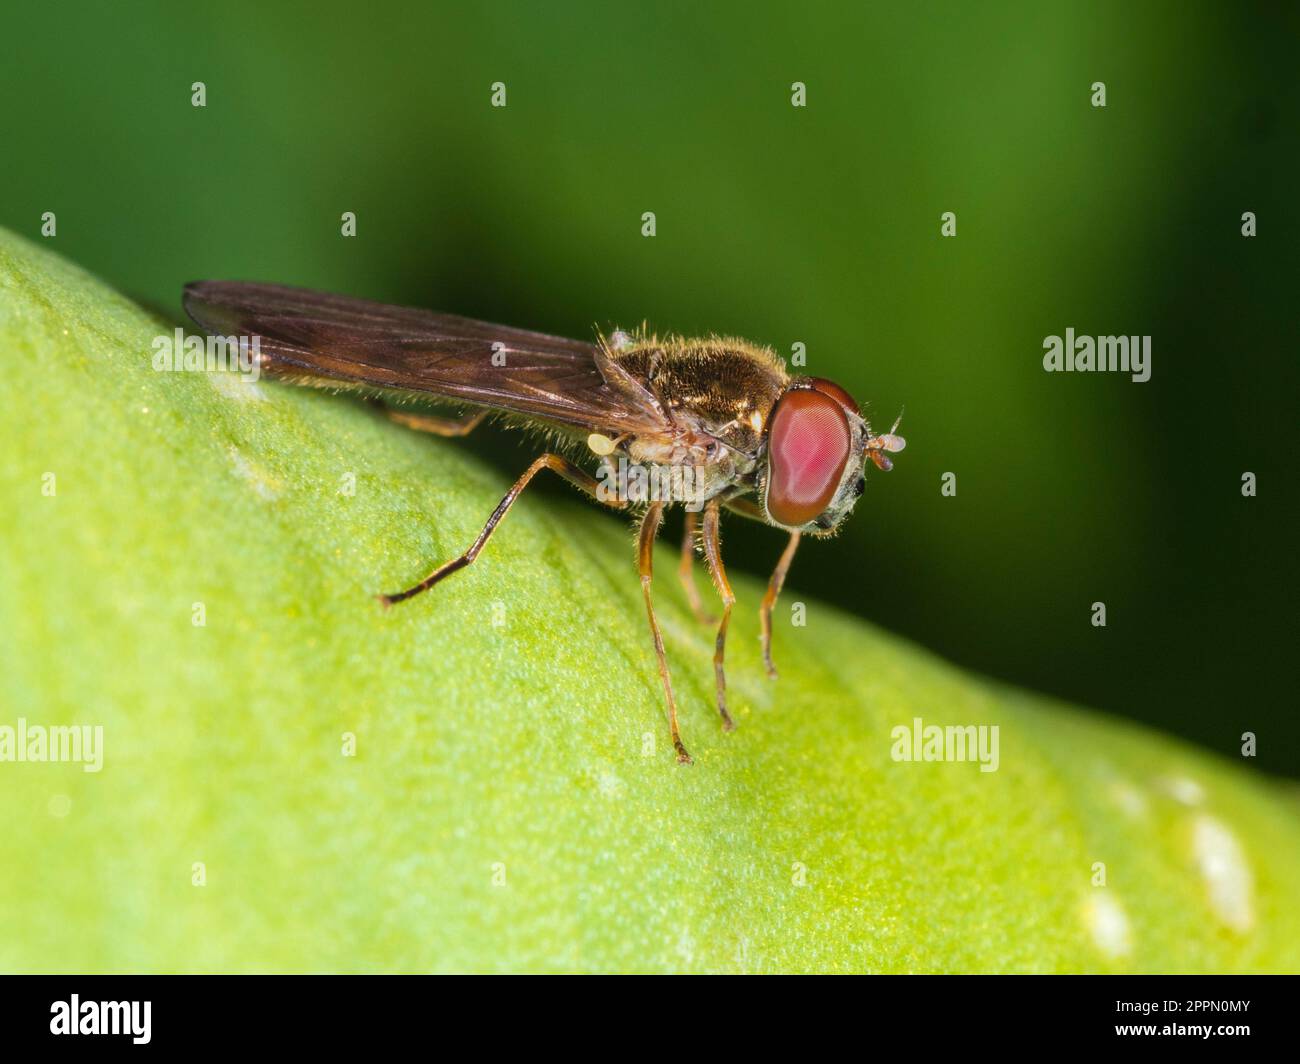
(720, 388)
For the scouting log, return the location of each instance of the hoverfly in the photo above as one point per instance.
(789, 451)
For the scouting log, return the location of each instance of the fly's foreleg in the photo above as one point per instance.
(769, 601)
(554, 462)
(645, 565)
(713, 554)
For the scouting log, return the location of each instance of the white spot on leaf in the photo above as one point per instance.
(1129, 798)
(1107, 923)
(1229, 884)
(235, 386)
(267, 486)
(1184, 790)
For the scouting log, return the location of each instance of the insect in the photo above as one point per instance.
(712, 424)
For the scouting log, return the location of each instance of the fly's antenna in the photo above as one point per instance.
(879, 448)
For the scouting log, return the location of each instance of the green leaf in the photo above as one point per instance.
(501, 725)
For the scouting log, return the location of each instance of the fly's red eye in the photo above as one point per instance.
(835, 392)
(807, 449)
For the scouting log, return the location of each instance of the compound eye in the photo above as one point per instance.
(835, 392)
(806, 453)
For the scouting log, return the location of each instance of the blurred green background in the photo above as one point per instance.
(817, 225)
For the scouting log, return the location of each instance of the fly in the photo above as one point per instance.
(712, 424)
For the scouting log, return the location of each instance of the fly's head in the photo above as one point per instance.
(817, 447)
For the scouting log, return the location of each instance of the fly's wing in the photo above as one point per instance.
(315, 338)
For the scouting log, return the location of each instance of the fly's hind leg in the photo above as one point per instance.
(686, 571)
(438, 426)
(553, 462)
(645, 564)
(713, 554)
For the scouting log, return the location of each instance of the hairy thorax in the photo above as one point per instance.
(718, 393)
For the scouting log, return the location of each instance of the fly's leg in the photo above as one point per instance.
(713, 553)
(769, 600)
(438, 426)
(686, 571)
(554, 462)
(645, 564)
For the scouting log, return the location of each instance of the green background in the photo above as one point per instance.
(818, 225)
